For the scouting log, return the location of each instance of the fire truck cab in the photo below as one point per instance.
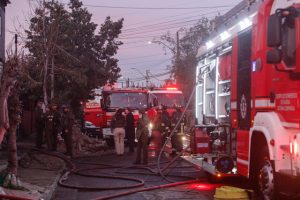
(248, 94)
(115, 98)
(168, 96)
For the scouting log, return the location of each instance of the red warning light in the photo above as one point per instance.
(172, 88)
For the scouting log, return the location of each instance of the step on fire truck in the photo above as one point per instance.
(115, 98)
(248, 97)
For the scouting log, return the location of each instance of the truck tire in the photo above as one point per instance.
(265, 177)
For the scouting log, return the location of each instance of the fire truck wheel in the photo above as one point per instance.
(266, 183)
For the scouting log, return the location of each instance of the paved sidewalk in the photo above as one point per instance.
(37, 172)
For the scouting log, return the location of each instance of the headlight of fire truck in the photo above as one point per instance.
(150, 127)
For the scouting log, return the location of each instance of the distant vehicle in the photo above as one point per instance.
(168, 96)
(115, 98)
(91, 130)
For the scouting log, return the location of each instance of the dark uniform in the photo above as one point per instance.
(129, 130)
(52, 123)
(39, 125)
(142, 135)
(67, 120)
(176, 139)
(165, 124)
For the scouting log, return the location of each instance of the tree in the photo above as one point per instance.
(8, 81)
(184, 51)
(10, 113)
(79, 58)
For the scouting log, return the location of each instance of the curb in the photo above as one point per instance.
(49, 193)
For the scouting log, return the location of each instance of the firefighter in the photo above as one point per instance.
(52, 122)
(67, 120)
(118, 129)
(39, 123)
(142, 136)
(176, 138)
(165, 123)
(129, 129)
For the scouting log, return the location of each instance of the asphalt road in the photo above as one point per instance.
(200, 190)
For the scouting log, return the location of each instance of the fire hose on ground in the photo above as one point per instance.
(139, 182)
(160, 171)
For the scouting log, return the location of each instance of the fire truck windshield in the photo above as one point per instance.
(169, 99)
(123, 100)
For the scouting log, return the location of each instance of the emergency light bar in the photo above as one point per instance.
(171, 88)
(227, 34)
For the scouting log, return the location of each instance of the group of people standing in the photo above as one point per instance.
(123, 125)
(49, 122)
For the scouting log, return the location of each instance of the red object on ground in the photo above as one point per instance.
(200, 143)
(155, 144)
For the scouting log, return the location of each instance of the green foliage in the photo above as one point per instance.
(185, 61)
(83, 53)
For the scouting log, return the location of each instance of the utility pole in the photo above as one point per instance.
(147, 77)
(127, 83)
(16, 44)
(177, 46)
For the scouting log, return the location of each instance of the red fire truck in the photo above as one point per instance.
(93, 112)
(158, 97)
(248, 97)
(165, 96)
(115, 98)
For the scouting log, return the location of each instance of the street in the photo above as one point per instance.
(199, 190)
(214, 85)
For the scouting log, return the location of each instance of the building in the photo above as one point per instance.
(3, 4)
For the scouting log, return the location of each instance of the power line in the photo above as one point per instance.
(148, 56)
(141, 36)
(142, 62)
(140, 33)
(151, 77)
(154, 8)
(159, 19)
(174, 20)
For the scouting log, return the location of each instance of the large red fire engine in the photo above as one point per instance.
(115, 98)
(165, 96)
(170, 98)
(248, 96)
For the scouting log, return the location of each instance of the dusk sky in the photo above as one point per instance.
(144, 21)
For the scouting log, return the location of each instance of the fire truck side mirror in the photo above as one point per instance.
(274, 56)
(274, 30)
